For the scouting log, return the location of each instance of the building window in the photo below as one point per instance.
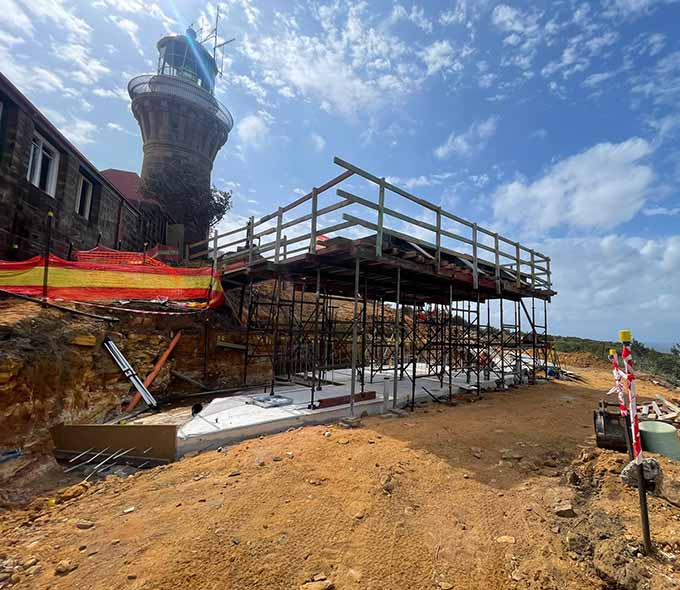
(84, 197)
(43, 165)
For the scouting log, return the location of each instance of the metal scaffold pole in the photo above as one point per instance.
(502, 344)
(355, 337)
(315, 361)
(363, 335)
(396, 334)
(450, 355)
(414, 328)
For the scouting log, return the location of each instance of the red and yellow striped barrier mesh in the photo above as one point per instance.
(111, 281)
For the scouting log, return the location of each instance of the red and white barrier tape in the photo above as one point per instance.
(627, 357)
(618, 388)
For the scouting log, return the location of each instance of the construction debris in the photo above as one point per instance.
(129, 372)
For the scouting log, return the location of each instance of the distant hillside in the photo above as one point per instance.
(663, 364)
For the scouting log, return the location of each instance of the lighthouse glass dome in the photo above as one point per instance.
(181, 56)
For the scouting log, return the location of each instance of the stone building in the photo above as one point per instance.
(183, 127)
(155, 224)
(41, 172)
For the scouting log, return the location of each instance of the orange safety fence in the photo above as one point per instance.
(107, 281)
(110, 256)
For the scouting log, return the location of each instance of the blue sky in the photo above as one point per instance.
(554, 123)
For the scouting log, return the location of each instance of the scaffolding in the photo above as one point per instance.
(391, 296)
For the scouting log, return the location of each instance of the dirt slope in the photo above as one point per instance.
(458, 497)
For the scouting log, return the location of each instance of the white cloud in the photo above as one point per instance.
(412, 182)
(139, 7)
(416, 16)
(253, 129)
(120, 129)
(88, 69)
(633, 8)
(465, 144)
(456, 15)
(601, 187)
(8, 39)
(131, 28)
(318, 142)
(579, 53)
(25, 76)
(80, 131)
(119, 93)
(596, 79)
(661, 211)
(511, 20)
(661, 83)
(655, 43)
(523, 35)
(13, 17)
(350, 67)
(250, 86)
(439, 56)
(604, 281)
(60, 14)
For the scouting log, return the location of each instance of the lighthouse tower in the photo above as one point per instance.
(183, 127)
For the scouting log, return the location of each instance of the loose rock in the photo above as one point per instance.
(578, 543)
(354, 575)
(506, 539)
(387, 484)
(84, 524)
(64, 567)
(564, 509)
(33, 570)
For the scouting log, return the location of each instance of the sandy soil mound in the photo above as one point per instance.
(503, 493)
(582, 360)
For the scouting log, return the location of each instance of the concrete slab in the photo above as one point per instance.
(231, 419)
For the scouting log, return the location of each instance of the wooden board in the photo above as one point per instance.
(340, 400)
(162, 438)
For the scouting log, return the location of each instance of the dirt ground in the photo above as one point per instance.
(447, 497)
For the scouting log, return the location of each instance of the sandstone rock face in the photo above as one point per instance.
(53, 368)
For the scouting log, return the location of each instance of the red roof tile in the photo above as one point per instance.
(128, 184)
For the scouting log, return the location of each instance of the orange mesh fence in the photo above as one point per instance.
(110, 281)
(102, 254)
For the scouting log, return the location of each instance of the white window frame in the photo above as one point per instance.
(88, 196)
(34, 179)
